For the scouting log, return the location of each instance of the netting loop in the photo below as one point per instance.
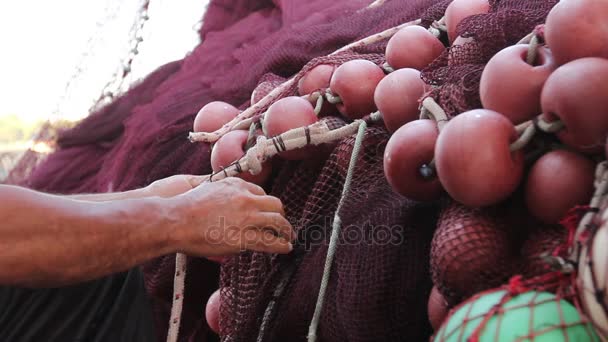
(437, 27)
(548, 127)
(251, 138)
(431, 110)
(527, 130)
(533, 49)
(387, 68)
(318, 102)
(331, 98)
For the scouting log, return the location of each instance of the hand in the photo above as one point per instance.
(230, 216)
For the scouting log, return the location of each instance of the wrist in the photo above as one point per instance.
(185, 218)
(148, 221)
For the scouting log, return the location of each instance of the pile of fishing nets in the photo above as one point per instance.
(372, 243)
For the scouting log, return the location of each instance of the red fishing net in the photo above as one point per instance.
(381, 279)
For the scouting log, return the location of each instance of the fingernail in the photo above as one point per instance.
(290, 246)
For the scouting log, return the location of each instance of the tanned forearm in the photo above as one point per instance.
(49, 241)
(112, 196)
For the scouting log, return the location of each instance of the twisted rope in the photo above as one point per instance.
(336, 228)
(431, 110)
(437, 27)
(331, 98)
(318, 102)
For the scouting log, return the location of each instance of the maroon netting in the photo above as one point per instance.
(477, 249)
(543, 241)
(377, 291)
(473, 250)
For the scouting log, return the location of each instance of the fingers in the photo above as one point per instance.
(253, 188)
(266, 242)
(274, 222)
(195, 181)
(168, 187)
(269, 204)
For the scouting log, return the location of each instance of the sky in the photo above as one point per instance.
(45, 44)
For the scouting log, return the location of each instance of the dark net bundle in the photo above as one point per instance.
(457, 72)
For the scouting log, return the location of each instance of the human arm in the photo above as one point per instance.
(48, 240)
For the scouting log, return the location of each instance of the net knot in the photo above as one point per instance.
(516, 285)
(256, 155)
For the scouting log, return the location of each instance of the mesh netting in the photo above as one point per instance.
(477, 249)
(472, 251)
(542, 242)
(381, 279)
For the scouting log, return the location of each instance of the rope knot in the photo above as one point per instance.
(256, 155)
(516, 286)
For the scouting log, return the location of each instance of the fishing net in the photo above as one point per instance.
(381, 275)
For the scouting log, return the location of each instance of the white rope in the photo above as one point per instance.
(335, 234)
(179, 282)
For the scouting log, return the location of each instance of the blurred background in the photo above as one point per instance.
(62, 58)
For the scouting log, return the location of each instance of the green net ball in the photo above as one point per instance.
(531, 316)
